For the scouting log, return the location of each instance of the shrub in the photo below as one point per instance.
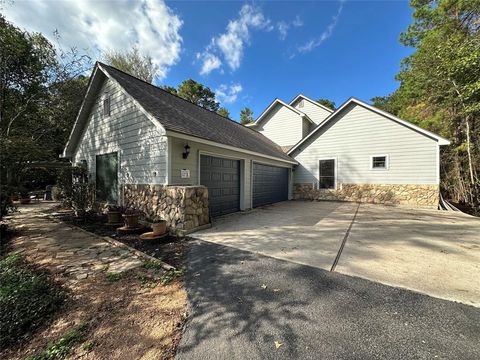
(27, 298)
(56, 193)
(82, 198)
(67, 178)
(6, 204)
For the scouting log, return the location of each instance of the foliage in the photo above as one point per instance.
(327, 103)
(440, 88)
(67, 177)
(246, 116)
(83, 198)
(154, 219)
(170, 276)
(196, 93)
(133, 63)
(27, 298)
(223, 112)
(113, 277)
(6, 204)
(152, 264)
(41, 89)
(62, 347)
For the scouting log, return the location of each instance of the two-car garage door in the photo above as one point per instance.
(222, 178)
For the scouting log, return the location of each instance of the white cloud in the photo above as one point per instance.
(232, 42)
(210, 62)
(228, 94)
(97, 26)
(313, 43)
(283, 27)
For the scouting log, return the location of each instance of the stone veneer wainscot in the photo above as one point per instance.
(389, 194)
(185, 208)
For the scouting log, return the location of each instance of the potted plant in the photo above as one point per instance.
(158, 225)
(24, 197)
(131, 218)
(114, 214)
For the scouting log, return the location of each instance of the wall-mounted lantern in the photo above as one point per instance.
(186, 151)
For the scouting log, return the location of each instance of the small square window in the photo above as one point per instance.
(300, 104)
(379, 162)
(106, 106)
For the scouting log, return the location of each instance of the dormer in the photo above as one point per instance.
(315, 111)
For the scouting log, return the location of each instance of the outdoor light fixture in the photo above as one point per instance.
(186, 151)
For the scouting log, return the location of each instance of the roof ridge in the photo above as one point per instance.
(176, 96)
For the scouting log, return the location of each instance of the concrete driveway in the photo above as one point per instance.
(432, 252)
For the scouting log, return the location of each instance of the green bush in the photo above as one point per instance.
(82, 198)
(56, 193)
(27, 298)
(6, 204)
(66, 180)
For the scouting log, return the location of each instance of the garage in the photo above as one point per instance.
(270, 184)
(222, 178)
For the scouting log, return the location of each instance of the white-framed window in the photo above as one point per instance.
(300, 104)
(379, 162)
(327, 173)
(106, 105)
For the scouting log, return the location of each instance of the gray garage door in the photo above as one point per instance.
(222, 178)
(270, 184)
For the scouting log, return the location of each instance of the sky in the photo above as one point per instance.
(248, 52)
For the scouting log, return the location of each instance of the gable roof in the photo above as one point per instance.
(178, 115)
(441, 140)
(270, 107)
(301, 96)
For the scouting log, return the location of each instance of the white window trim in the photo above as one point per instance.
(387, 162)
(106, 96)
(334, 158)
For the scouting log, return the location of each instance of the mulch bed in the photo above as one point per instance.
(170, 249)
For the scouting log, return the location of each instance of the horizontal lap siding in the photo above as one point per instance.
(357, 135)
(141, 146)
(314, 112)
(283, 126)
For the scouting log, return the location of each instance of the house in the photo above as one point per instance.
(355, 153)
(147, 148)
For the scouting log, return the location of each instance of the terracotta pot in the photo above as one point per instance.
(159, 228)
(25, 201)
(114, 217)
(131, 221)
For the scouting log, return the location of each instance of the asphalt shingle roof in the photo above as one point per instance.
(179, 115)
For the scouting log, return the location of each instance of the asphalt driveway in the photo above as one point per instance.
(249, 306)
(429, 251)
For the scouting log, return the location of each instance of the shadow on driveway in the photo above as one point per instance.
(313, 313)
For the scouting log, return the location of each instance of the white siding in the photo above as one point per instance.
(282, 125)
(355, 136)
(140, 144)
(192, 163)
(313, 111)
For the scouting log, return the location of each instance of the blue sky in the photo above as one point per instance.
(248, 52)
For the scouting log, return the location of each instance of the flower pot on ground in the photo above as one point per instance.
(131, 219)
(159, 226)
(114, 214)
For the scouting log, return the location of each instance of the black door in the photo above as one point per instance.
(106, 179)
(270, 184)
(222, 178)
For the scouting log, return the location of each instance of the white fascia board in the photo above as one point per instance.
(227, 147)
(273, 104)
(311, 101)
(439, 139)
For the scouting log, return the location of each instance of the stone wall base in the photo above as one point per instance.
(389, 194)
(185, 208)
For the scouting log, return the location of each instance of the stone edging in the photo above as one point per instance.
(116, 243)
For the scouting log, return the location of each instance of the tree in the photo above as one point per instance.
(440, 88)
(170, 89)
(198, 94)
(327, 103)
(246, 116)
(133, 63)
(41, 89)
(224, 112)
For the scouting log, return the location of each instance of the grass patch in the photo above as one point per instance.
(61, 348)
(28, 297)
(113, 277)
(171, 275)
(152, 265)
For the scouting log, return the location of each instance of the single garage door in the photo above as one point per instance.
(270, 184)
(222, 178)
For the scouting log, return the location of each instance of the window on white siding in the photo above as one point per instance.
(326, 176)
(379, 162)
(300, 104)
(106, 105)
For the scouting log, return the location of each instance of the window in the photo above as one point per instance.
(379, 162)
(300, 104)
(106, 105)
(326, 174)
